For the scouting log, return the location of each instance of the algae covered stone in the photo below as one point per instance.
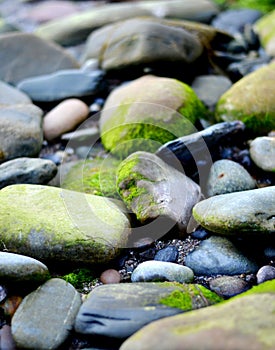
(148, 112)
(53, 224)
(251, 100)
(238, 213)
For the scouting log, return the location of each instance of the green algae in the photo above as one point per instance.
(79, 277)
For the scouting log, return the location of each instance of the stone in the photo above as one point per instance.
(134, 120)
(10, 305)
(265, 28)
(27, 170)
(265, 273)
(110, 276)
(118, 310)
(63, 84)
(6, 340)
(46, 316)
(250, 100)
(169, 254)
(238, 213)
(9, 95)
(218, 256)
(227, 176)
(243, 322)
(18, 268)
(20, 131)
(228, 286)
(153, 190)
(66, 116)
(262, 152)
(157, 271)
(76, 228)
(37, 56)
(75, 29)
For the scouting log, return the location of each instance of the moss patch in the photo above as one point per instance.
(79, 277)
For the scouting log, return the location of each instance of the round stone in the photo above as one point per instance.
(262, 152)
(265, 273)
(110, 276)
(228, 286)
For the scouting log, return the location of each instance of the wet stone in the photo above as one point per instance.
(168, 254)
(228, 286)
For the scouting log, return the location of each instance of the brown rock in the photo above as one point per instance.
(110, 276)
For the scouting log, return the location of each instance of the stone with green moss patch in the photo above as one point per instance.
(79, 277)
(136, 118)
(251, 100)
(57, 225)
(265, 28)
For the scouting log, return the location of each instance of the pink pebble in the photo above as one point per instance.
(110, 276)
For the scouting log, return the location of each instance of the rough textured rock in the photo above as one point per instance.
(75, 29)
(244, 322)
(20, 131)
(120, 310)
(262, 152)
(238, 213)
(250, 100)
(153, 190)
(37, 56)
(265, 28)
(226, 176)
(219, 256)
(75, 227)
(135, 118)
(150, 271)
(27, 170)
(45, 317)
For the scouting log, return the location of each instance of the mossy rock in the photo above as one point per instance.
(265, 28)
(148, 112)
(251, 100)
(96, 176)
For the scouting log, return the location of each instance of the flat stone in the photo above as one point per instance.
(37, 56)
(46, 316)
(218, 256)
(66, 116)
(23, 122)
(152, 270)
(227, 176)
(18, 268)
(27, 170)
(9, 95)
(239, 213)
(119, 310)
(52, 224)
(262, 152)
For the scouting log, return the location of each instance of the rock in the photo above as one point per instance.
(238, 213)
(9, 95)
(218, 256)
(37, 56)
(63, 84)
(76, 228)
(133, 119)
(243, 322)
(75, 29)
(27, 170)
(119, 310)
(265, 273)
(10, 305)
(250, 100)
(65, 117)
(95, 176)
(262, 152)
(18, 268)
(110, 276)
(153, 190)
(23, 122)
(227, 176)
(46, 316)
(169, 254)
(156, 271)
(265, 28)
(6, 340)
(228, 286)
(209, 88)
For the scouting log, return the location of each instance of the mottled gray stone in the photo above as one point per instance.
(46, 316)
(228, 286)
(218, 256)
(238, 213)
(226, 176)
(16, 267)
(262, 152)
(162, 271)
(27, 170)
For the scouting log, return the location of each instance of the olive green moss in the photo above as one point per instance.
(261, 5)
(79, 277)
(265, 287)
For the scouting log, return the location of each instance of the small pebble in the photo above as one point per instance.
(169, 254)
(110, 276)
(265, 273)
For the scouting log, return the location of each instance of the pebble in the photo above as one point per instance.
(228, 286)
(153, 270)
(168, 254)
(265, 273)
(110, 276)
(27, 170)
(6, 339)
(262, 152)
(9, 95)
(64, 117)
